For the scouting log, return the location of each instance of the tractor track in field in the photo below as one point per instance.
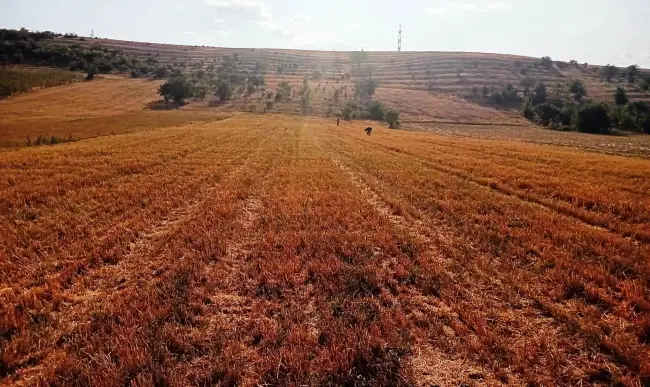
(511, 192)
(487, 284)
(176, 216)
(430, 365)
(148, 242)
(92, 287)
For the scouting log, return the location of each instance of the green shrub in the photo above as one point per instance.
(177, 89)
(546, 112)
(358, 57)
(161, 72)
(578, 89)
(224, 90)
(376, 111)
(593, 118)
(608, 72)
(392, 117)
(91, 72)
(541, 94)
(547, 61)
(620, 97)
(527, 109)
(284, 90)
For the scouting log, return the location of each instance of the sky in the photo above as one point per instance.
(593, 31)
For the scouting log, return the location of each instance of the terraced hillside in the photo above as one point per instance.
(443, 72)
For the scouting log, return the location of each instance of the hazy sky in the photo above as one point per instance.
(594, 31)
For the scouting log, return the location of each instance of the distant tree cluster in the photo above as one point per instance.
(223, 78)
(566, 109)
(630, 116)
(38, 48)
(373, 110)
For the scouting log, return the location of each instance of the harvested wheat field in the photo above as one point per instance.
(108, 105)
(285, 250)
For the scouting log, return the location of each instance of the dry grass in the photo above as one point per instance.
(104, 106)
(620, 144)
(283, 250)
(419, 106)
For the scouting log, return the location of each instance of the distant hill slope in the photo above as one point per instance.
(446, 72)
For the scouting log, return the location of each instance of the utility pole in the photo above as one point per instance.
(399, 39)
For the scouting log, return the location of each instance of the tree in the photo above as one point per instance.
(608, 72)
(527, 83)
(593, 118)
(305, 99)
(541, 94)
(201, 90)
(257, 80)
(376, 111)
(527, 109)
(358, 57)
(369, 70)
(620, 97)
(91, 71)
(547, 61)
(644, 85)
(284, 90)
(509, 93)
(236, 79)
(546, 112)
(177, 89)
(632, 72)
(371, 87)
(578, 89)
(392, 117)
(161, 72)
(199, 74)
(366, 87)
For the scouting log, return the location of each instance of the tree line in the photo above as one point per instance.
(40, 48)
(567, 106)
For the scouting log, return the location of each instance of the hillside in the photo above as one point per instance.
(441, 72)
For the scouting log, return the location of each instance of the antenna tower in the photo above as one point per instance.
(399, 39)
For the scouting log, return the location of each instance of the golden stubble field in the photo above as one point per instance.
(284, 250)
(106, 106)
(115, 105)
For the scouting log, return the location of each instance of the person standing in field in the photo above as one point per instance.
(338, 120)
